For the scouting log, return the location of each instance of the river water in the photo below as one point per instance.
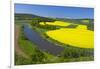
(42, 44)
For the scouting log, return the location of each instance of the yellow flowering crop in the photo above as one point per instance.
(57, 23)
(76, 37)
(81, 27)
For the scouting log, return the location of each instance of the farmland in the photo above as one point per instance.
(56, 23)
(75, 38)
(79, 36)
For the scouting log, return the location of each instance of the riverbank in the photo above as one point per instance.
(17, 47)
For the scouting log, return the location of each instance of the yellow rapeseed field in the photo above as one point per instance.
(75, 37)
(81, 27)
(57, 23)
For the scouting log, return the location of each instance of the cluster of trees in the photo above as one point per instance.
(72, 26)
(38, 57)
(49, 27)
(37, 20)
(70, 52)
(90, 26)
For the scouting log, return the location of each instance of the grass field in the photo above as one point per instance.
(86, 21)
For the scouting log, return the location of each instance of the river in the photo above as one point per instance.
(42, 44)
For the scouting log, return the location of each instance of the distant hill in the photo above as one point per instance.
(30, 16)
(69, 19)
(20, 16)
(24, 16)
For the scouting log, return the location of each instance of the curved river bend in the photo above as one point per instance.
(42, 44)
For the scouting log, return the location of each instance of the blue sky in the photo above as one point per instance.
(55, 11)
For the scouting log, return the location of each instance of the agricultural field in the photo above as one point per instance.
(84, 27)
(53, 34)
(78, 37)
(68, 35)
(56, 23)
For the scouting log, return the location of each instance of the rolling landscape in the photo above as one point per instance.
(45, 39)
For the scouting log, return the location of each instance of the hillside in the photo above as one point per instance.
(24, 16)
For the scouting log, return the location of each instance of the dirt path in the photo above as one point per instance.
(17, 48)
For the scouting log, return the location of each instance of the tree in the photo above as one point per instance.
(38, 56)
(37, 20)
(47, 20)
